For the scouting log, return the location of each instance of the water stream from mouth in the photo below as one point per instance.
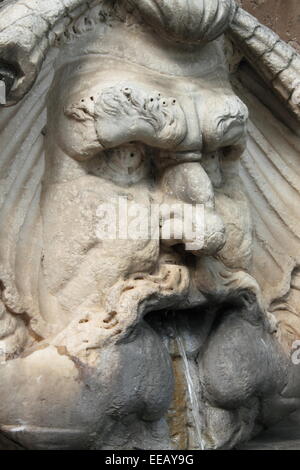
(195, 406)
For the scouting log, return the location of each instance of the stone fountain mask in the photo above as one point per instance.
(139, 106)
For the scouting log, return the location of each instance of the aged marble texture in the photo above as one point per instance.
(147, 341)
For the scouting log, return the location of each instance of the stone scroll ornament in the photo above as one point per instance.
(156, 342)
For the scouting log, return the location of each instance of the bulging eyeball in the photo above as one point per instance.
(190, 21)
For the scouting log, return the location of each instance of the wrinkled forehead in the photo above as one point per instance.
(109, 54)
(127, 49)
(92, 74)
(146, 49)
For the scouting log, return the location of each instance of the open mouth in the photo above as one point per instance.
(214, 350)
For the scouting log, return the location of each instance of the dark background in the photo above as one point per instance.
(283, 16)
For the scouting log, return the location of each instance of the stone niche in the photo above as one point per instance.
(149, 225)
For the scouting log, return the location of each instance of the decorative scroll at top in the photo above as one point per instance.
(188, 20)
(26, 32)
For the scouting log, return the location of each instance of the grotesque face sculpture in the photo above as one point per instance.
(126, 123)
(142, 131)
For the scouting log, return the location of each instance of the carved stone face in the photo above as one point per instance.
(115, 130)
(152, 120)
(142, 110)
(136, 125)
